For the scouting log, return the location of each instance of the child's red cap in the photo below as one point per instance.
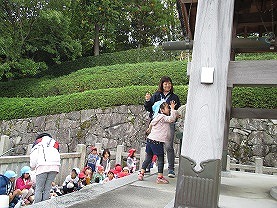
(100, 168)
(82, 175)
(131, 152)
(93, 148)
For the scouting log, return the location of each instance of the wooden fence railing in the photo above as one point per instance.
(68, 160)
(257, 168)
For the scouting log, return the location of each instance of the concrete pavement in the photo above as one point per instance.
(238, 190)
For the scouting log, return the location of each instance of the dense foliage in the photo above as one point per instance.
(11, 108)
(37, 34)
(120, 79)
(104, 77)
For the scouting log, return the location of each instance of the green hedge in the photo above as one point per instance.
(256, 56)
(148, 54)
(12, 108)
(256, 97)
(101, 77)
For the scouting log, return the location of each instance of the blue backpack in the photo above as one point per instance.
(4, 185)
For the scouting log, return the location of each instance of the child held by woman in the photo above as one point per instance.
(160, 128)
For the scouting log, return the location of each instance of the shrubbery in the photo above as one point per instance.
(11, 108)
(148, 54)
(124, 83)
(97, 78)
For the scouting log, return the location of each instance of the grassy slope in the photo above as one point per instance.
(105, 86)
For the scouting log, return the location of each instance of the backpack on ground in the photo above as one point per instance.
(4, 185)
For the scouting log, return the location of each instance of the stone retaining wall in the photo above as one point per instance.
(126, 125)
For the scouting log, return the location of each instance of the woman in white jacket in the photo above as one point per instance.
(45, 159)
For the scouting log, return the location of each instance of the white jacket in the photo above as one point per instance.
(44, 153)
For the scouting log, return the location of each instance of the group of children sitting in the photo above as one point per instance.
(98, 170)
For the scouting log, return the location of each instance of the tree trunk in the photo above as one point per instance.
(96, 40)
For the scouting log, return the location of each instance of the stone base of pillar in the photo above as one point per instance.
(198, 189)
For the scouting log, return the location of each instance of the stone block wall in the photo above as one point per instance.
(126, 125)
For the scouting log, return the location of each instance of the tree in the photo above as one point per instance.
(16, 23)
(99, 18)
(51, 38)
(147, 21)
(33, 33)
(172, 27)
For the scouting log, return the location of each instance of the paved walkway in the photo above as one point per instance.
(238, 190)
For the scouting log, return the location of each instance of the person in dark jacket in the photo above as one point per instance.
(164, 93)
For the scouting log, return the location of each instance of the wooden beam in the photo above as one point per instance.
(189, 1)
(254, 113)
(255, 17)
(203, 135)
(206, 103)
(252, 73)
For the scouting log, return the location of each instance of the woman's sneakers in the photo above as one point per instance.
(162, 180)
(171, 174)
(140, 176)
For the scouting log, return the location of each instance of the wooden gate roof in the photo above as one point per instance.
(251, 18)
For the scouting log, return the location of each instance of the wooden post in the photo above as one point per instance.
(4, 144)
(258, 165)
(142, 156)
(29, 147)
(118, 156)
(82, 149)
(228, 163)
(99, 148)
(226, 128)
(200, 163)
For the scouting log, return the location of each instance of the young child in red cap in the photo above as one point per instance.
(93, 159)
(132, 161)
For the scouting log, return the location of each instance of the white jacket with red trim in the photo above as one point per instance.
(44, 153)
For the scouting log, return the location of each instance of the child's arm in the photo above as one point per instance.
(173, 113)
(148, 130)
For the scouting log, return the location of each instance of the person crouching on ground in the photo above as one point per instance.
(24, 183)
(70, 183)
(14, 194)
(99, 176)
(159, 135)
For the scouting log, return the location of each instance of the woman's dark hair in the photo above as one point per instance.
(162, 80)
(106, 151)
(22, 176)
(42, 135)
